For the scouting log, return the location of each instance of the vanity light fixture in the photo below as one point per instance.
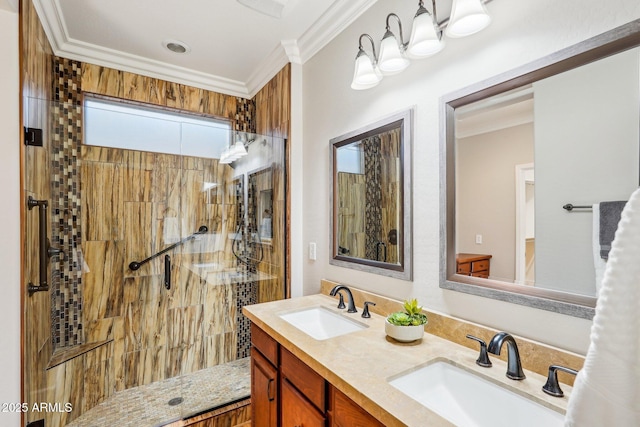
(426, 35)
(366, 74)
(467, 17)
(392, 58)
(234, 151)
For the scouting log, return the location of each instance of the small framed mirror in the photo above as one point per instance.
(371, 197)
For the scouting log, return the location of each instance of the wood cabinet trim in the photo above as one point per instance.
(305, 379)
(265, 344)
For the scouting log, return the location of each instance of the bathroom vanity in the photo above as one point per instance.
(345, 380)
(303, 392)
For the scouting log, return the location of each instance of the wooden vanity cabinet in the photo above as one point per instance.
(344, 412)
(476, 265)
(297, 411)
(264, 379)
(303, 393)
(286, 392)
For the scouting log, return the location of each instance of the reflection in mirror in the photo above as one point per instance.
(562, 131)
(261, 202)
(371, 198)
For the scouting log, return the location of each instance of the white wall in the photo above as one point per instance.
(521, 32)
(9, 217)
(589, 156)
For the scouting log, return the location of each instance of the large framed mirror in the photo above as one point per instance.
(530, 158)
(371, 197)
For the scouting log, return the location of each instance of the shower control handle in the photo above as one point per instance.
(51, 251)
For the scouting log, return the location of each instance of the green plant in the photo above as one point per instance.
(411, 316)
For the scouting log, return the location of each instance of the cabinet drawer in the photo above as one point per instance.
(303, 378)
(263, 342)
(464, 267)
(481, 274)
(480, 265)
(297, 411)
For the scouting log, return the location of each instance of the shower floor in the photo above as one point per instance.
(149, 405)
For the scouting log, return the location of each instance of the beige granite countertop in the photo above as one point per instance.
(360, 363)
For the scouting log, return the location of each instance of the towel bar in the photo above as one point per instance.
(569, 207)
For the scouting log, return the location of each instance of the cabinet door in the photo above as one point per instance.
(344, 412)
(264, 391)
(296, 409)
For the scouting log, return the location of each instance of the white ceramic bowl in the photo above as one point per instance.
(403, 333)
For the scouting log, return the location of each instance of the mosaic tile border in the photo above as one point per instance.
(245, 115)
(66, 123)
(246, 292)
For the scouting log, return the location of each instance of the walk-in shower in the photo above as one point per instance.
(153, 247)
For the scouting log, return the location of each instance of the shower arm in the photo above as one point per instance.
(134, 265)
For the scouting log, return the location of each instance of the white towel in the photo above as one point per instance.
(598, 263)
(607, 389)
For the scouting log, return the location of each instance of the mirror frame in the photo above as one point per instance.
(606, 44)
(403, 270)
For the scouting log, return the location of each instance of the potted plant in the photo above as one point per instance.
(407, 325)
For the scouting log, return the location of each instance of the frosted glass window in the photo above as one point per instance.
(349, 159)
(128, 126)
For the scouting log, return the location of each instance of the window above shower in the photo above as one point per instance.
(153, 129)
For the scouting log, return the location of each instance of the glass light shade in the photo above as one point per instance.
(238, 150)
(392, 61)
(467, 17)
(424, 40)
(365, 75)
(225, 159)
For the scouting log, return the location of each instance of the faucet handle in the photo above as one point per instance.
(365, 312)
(552, 387)
(483, 358)
(341, 303)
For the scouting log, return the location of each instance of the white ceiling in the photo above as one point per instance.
(234, 49)
(10, 5)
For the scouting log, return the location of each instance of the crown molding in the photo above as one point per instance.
(273, 63)
(339, 16)
(66, 47)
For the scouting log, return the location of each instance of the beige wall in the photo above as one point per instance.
(486, 194)
(520, 32)
(10, 217)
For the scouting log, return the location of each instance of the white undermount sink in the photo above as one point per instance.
(466, 399)
(322, 323)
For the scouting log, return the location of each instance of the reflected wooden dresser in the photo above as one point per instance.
(477, 265)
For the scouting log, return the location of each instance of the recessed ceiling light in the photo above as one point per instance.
(176, 46)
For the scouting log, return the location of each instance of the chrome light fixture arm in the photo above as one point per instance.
(388, 33)
(373, 47)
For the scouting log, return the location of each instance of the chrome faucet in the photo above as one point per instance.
(514, 367)
(352, 306)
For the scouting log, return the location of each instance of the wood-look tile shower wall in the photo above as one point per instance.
(273, 118)
(135, 332)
